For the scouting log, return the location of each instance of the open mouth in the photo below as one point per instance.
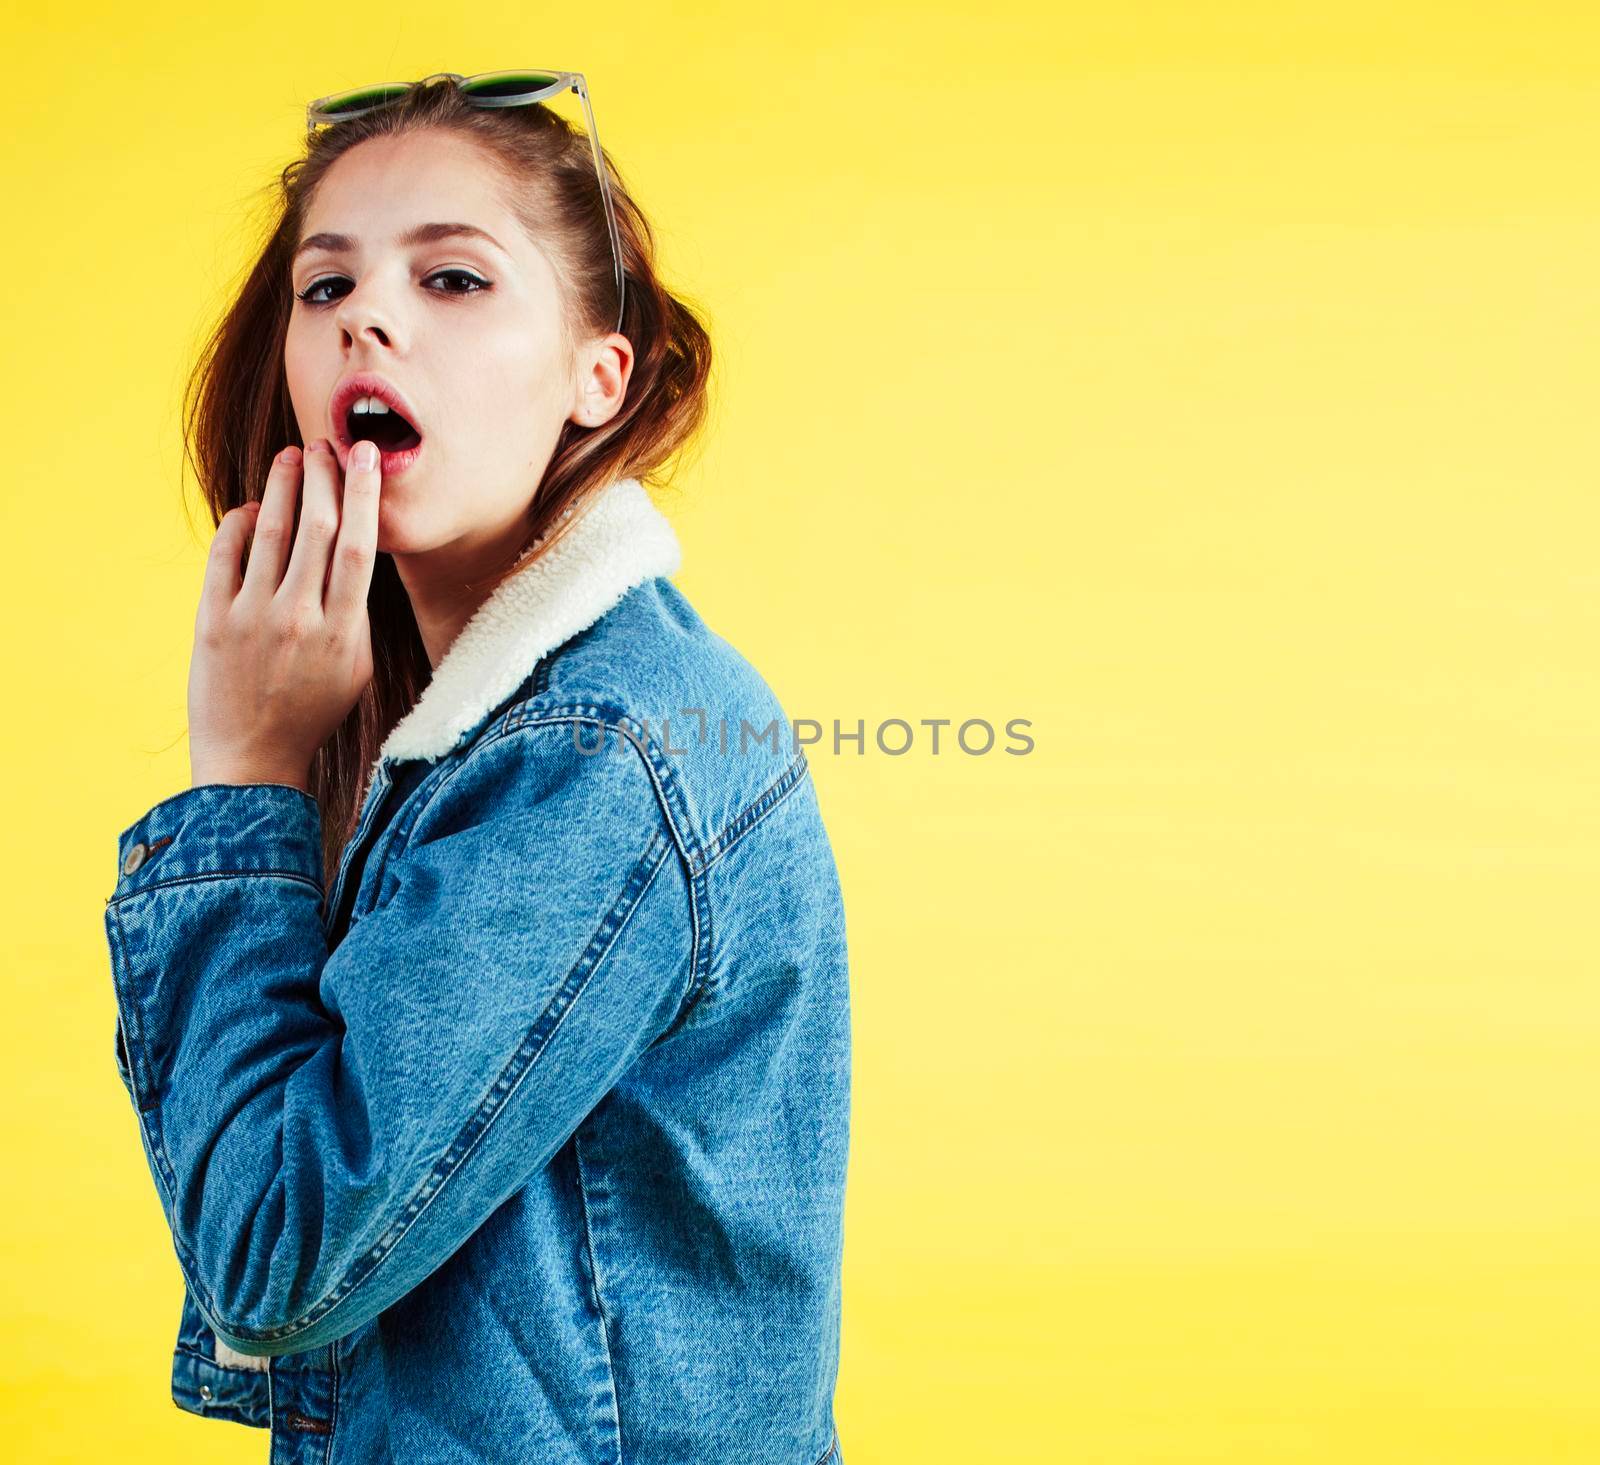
(378, 422)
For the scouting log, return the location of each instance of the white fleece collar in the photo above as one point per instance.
(620, 540)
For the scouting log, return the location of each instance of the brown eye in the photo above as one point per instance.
(307, 296)
(472, 280)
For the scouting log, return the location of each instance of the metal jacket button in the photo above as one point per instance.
(205, 1391)
(135, 858)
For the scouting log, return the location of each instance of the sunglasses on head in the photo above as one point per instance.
(487, 89)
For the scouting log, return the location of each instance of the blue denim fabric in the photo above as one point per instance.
(527, 1140)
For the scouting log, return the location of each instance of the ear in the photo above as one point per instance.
(604, 369)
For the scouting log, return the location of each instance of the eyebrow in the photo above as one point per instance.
(419, 234)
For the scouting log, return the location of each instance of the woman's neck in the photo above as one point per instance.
(439, 584)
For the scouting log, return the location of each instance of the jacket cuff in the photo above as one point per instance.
(205, 1387)
(222, 829)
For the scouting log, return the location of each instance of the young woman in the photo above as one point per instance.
(483, 1003)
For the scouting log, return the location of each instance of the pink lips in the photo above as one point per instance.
(389, 464)
(370, 384)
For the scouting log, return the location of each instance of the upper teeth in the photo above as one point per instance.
(369, 404)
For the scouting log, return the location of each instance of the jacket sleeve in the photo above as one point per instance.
(326, 1128)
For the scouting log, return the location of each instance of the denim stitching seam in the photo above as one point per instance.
(494, 1102)
(397, 833)
(757, 809)
(335, 896)
(200, 875)
(599, 1295)
(660, 778)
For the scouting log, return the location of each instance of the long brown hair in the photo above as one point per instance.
(237, 411)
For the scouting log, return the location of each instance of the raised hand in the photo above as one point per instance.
(283, 650)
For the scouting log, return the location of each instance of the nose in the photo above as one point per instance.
(363, 315)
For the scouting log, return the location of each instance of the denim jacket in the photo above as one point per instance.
(526, 1141)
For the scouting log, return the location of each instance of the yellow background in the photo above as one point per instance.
(1211, 384)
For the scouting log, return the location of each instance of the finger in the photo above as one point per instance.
(358, 537)
(319, 526)
(269, 546)
(222, 577)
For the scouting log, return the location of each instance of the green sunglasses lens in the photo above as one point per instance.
(507, 83)
(360, 99)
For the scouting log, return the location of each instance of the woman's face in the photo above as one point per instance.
(467, 328)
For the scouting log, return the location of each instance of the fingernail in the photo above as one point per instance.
(365, 455)
(289, 456)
